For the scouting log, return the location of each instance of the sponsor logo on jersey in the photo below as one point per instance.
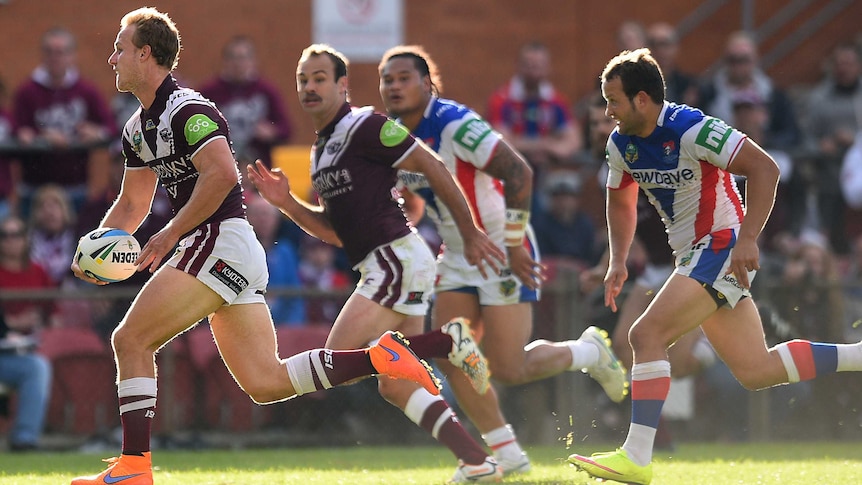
(137, 141)
(229, 276)
(713, 135)
(471, 133)
(197, 127)
(414, 298)
(329, 183)
(392, 134)
(631, 154)
(663, 177)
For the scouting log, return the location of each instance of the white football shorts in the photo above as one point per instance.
(227, 257)
(454, 273)
(399, 275)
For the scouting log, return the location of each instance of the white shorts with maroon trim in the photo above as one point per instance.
(399, 275)
(227, 257)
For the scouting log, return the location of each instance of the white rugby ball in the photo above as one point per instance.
(108, 254)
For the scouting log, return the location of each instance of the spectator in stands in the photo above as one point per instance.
(564, 230)
(680, 87)
(752, 118)
(631, 35)
(282, 261)
(21, 368)
(8, 197)
(318, 271)
(253, 107)
(740, 73)
(52, 235)
(832, 119)
(533, 116)
(65, 121)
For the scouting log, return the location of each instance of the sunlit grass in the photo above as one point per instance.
(691, 464)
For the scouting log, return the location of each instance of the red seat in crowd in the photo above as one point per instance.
(83, 391)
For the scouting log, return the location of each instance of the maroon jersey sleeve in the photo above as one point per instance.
(385, 141)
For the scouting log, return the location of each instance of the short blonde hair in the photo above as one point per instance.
(157, 30)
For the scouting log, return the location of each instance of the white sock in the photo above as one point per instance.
(849, 357)
(503, 442)
(299, 371)
(584, 354)
(639, 443)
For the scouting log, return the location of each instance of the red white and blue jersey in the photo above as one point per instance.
(682, 168)
(533, 117)
(165, 137)
(466, 143)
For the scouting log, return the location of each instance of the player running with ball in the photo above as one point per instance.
(179, 139)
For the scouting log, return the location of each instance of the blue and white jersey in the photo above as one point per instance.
(682, 168)
(466, 143)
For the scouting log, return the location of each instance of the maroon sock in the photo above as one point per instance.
(137, 424)
(452, 434)
(433, 344)
(340, 366)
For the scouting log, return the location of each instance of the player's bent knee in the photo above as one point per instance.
(264, 393)
(753, 379)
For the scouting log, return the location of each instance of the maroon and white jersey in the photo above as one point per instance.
(165, 137)
(354, 172)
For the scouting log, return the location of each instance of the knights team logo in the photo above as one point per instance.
(631, 154)
(668, 147)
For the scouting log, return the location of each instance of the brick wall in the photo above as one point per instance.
(474, 42)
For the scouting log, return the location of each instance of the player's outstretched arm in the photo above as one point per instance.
(273, 185)
(478, 248)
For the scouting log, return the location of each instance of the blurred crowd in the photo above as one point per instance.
(60, 168)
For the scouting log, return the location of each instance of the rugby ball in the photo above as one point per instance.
(108, 254)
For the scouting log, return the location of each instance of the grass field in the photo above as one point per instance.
(812, 463)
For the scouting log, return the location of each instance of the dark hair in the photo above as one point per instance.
(157, 30)
(339, 60)
(421, 61)
(638, 71)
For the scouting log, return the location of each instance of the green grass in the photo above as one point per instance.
(692, 464)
